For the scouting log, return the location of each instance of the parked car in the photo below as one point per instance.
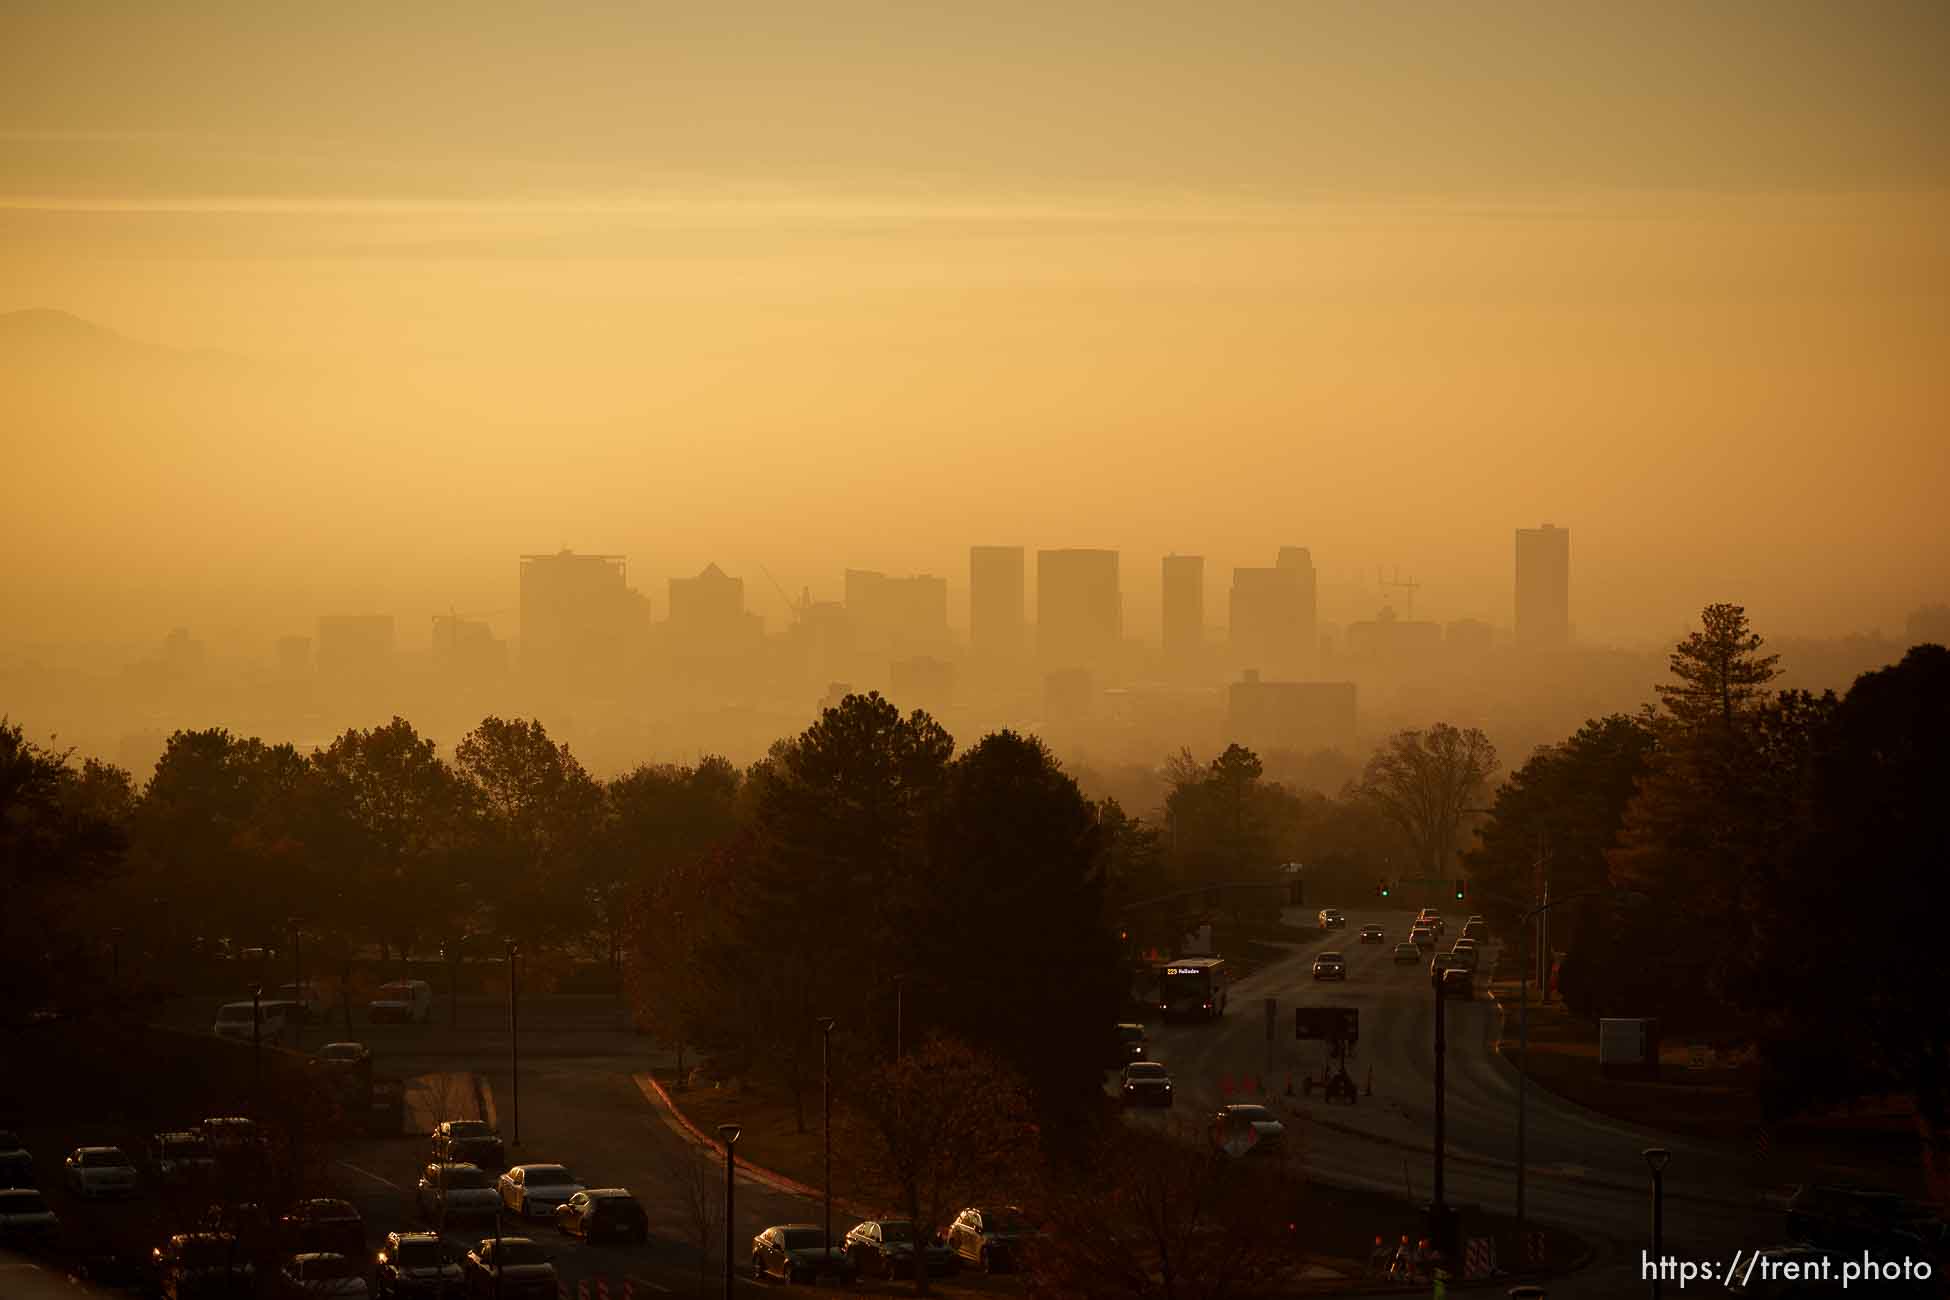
(1333, 918)
(415, 1264)
(234, 1021)
(1373, 934)
(1145, 1083)
(402, 1000)
(324, 1225)
(304, 1001)
(469, 1141)
(100, 1171)
(449, 1193)
(1330, 966)
(511, 1268)
(345, 1054)
(25, 1218)
(16, 1163)
(194, 1264)
(181, 1159)
(1240, 1129)
(1407, 954)
(604, 1214)
(1458, 982)
(797, 1252)
(1130, 1045)
(990, 1238)
(323, 1275)
(887, 1247)
(536, 1189)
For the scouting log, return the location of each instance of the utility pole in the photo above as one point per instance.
(257, 1051)
(298, 979)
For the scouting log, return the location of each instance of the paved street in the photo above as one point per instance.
(1586, 1173)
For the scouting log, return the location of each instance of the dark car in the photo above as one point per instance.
(1330, 966)
(324, 1225)
(25, 1218)
(194, 1264)
(415, 1264)
(1855, 1219)
(603, 1214)
(510, 1268)
(16, 1164)
(1458, 982)
(990, 1238)
(1478, 931)
(886, 1247)
(250, 1225)
(1407, 954)
(1130, 1045)
(1145, 1083)
(797, 1252)
(1373, 934)
(180, 1159)
(469, 1142)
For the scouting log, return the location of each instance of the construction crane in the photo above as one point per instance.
(1407, 587)
(798, 611)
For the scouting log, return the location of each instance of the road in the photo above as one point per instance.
(1585, 1171)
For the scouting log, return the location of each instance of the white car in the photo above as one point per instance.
(531, 1190)
(100, 1171)
(24, 1216)
(325, 1276)
(234, 1021)
(1239, 1129)
(181, 1157)
(409, 1000)
(457, 1191)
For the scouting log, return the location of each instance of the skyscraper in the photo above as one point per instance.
(899, 616)
(1271, 617)
(995, 601)
(708, 618)
(1184, 620)
(582, 624)
(1543, 586)
(1079, 609)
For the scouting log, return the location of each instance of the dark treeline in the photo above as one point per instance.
(1768, 862)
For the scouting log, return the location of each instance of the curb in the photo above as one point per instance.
(655, 1093)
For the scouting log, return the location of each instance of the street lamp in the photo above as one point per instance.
(1439, 1229)
(729, 1133)
(257, 1051)
(826, 1124)
(514, 1052)
(298, 978)
(900, 1011)
(1655, 1160)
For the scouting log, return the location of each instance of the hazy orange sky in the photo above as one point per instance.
(811, 286)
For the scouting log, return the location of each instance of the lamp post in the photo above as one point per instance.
(900, 1011)
(1438, 1206)
(729, 1132)
(514, 1052)
(257, 1050)
(826, 1122)
(1655, 1160)
(115, 964)
(298, 979)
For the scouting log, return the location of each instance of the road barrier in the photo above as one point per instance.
(1479, 1258)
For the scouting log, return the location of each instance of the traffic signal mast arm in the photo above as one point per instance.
(1295, 889)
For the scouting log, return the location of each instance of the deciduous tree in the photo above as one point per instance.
(1422, 781)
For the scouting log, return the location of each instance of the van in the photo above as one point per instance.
(234, 1021)
(408, 1000)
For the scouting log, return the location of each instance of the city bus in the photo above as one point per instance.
(1191, 988)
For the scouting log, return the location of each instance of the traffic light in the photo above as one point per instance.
(1462, 890)
(1382, 889)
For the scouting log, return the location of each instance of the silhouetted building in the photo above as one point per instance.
(1300, 716)
(1543, 586)
(823, 635)
(1299, 560)
(899, 616)
(708, 619)
(582, 624)
(183, 656)
(1929, 625)
(1079, 609)
(466, 649)
(1265, 621)
(1390, 639)
(922, 682)
(995, 601)
(1184, 609)
(355, 649)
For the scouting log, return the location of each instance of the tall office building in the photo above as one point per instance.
(582, 623)
(1184, 617)
(708, 618)
(1543, 586)
(1300, 561)
(1270, 617)
(1079, 609)
(898, 616)
(995, 601)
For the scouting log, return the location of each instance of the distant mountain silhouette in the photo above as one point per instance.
(47, 333)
